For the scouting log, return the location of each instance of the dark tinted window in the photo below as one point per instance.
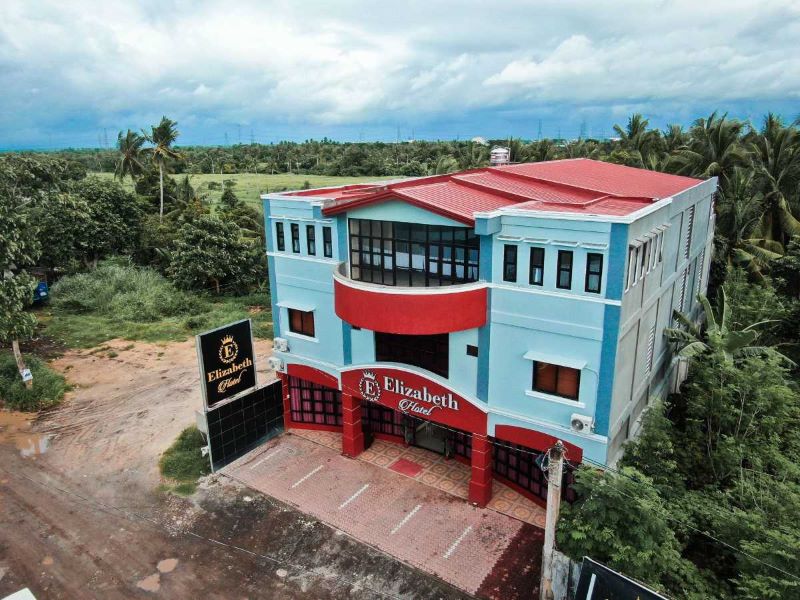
(295, 238)
(564, 277)
(327, 244)
(301, 321)
(280, 240)
(536, 276)
(556, 380)
(425, 351)
(509, 262)
(594, 273)
(311, 239)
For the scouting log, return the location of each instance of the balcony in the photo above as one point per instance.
(409, 310)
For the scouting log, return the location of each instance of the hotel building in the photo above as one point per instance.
(487, 313)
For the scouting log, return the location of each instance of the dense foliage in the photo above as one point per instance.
(722, 456)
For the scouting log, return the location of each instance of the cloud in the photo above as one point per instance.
(69, 69)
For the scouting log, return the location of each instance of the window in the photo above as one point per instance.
(689, 227)
(564, 279)
(509, 262)
(651, 346)
(311, 240)
(280, 240)
(556, 380)
(472, 350)
(295, 238)
(536, 276)
(594, 272)
(327, 244)
(301, 322)
(429, 352)
(412, 254)
(314, 403)
(644, 254)
(700, 268)
(632, 256)
(682, 300)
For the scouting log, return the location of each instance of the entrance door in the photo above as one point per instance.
(429, 436)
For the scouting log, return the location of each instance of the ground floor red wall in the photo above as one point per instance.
(522, 443)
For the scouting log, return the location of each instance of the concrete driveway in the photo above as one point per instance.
(480, 551)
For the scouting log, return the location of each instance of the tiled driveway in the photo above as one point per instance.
(437, 471)
(477, 550)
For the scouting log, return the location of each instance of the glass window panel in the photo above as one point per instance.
(567, 382)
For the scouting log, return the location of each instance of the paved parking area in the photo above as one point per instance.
(448, 475)
(474, 549)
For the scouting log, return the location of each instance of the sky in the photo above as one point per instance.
(73, 74)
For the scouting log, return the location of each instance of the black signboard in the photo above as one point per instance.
(227, 362)
(598, 582)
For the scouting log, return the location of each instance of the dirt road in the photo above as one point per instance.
(83, 519)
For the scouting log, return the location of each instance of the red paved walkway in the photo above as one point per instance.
(425, 527)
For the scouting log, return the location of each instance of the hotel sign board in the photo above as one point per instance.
(415, 395)
(227, 362)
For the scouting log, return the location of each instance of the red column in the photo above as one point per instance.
(287, 406)
(352, 436)
(480, 484)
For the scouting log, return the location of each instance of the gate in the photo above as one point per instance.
(238, 426)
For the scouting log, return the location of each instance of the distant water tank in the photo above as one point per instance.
(500, 156)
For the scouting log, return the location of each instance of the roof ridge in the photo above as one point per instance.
(515, 175)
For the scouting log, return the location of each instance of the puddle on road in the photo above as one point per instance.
(15, 430)
(167, 565)
(151, 583)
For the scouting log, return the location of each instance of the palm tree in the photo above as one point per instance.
(130, 160)
(637, 139)
(741, 210)
(716, 338)
(714, 149)
(674, 137)
(776, 157)
(162, 136)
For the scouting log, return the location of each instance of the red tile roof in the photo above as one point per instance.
(578, 186)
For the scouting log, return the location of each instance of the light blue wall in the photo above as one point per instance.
(394, 210)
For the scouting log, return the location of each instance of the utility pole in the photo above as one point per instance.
(555, 468)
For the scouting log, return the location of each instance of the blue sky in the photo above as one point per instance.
(75, 73)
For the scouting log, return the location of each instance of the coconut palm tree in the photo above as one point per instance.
(163, 136)
(637, 139)
(716, 338)
(674, 137)
(130, 160)
(714, 149)
(740, 210)
(776, 157)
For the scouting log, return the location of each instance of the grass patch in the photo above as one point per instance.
(249, 186)
(183, 464)
(123, 301)
(47, 390)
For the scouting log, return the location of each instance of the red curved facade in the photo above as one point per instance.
(425, 313)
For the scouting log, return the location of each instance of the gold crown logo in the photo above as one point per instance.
(228, 349)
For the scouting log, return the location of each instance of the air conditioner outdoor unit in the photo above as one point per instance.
(275, 363)
(281, 344)
(582, 423)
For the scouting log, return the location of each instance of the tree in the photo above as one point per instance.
(716, 338)
(741, 209)
(638, 140)
(163, 136)
(776, 155)
(210, 252)
(621, 521)
(130, 159)
(19, 248)
(714, 149)
(229, 200)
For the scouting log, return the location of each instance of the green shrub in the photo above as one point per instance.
(47, 390)
(125, 292)
(183, 461)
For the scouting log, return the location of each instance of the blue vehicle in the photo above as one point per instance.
(42, 292)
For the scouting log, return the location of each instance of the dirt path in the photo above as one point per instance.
(83, 520)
